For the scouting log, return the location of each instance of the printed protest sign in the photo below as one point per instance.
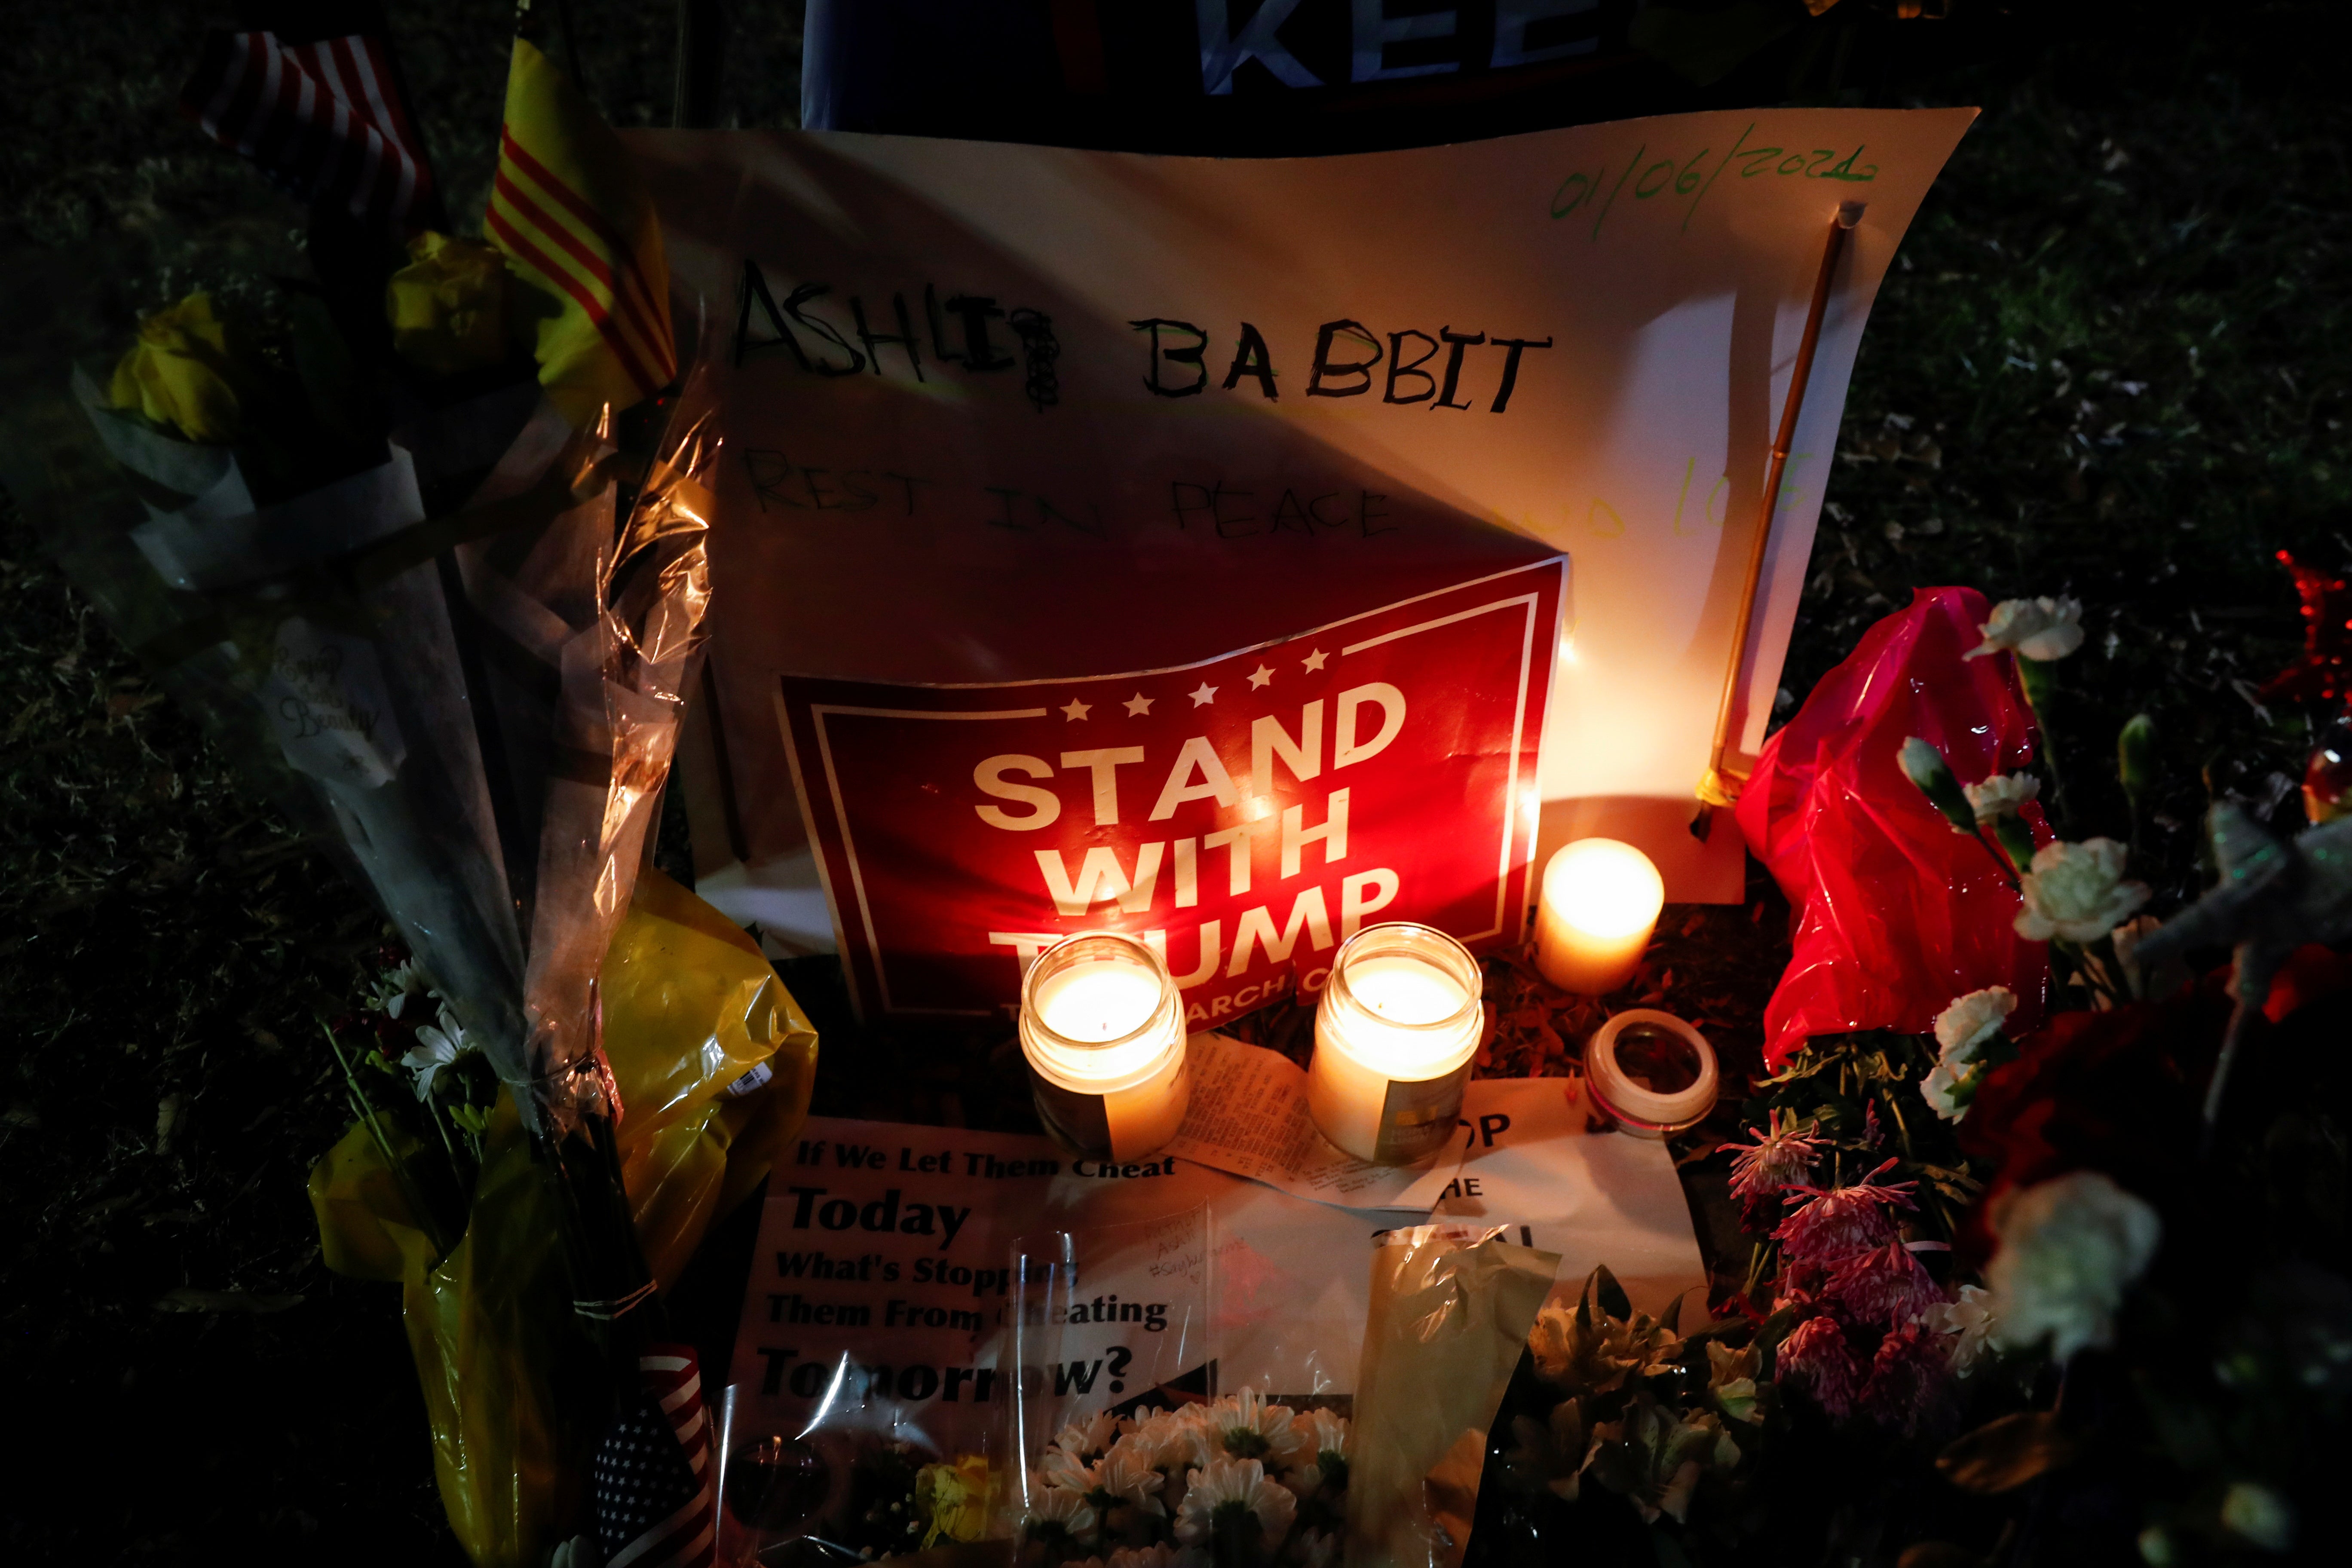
(882, 1285)
(1243, 815)
(1000, 414)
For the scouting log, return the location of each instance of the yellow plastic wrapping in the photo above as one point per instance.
(1448, 1321)
(690, 1007)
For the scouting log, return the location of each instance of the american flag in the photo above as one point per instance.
(323, 119)
(656, 1506)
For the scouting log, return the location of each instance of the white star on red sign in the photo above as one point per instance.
(1261, 676)
(1315, 660)
(1138, 705)
(1077, 709)
(1203, 695)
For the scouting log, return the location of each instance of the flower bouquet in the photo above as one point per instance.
(1235, 1481)
(2072, 1253)
(407, 541)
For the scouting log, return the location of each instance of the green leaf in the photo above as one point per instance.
(1775, 1328)
(1613, 1298)
(2007, 1453)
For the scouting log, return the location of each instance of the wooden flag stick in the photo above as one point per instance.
(1725, 778)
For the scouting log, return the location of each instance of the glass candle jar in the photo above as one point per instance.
(1103, 1031)
(1399, 1022)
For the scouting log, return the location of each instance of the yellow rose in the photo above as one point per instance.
(957, 1496)
(448, 305)
(178, 373)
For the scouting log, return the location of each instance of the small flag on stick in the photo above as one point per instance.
(324, 119)
(656, 1505)
(570, 211)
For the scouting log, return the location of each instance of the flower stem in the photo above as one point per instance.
(2007, 873)
(1901, 1128)
(427, 1220)
(2038, 676)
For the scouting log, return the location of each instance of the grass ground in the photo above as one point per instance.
(2112, 364)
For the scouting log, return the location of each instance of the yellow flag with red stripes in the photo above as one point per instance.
(572, 214)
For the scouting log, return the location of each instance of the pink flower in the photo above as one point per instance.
(1838, 1222)
(1816, 1358)
(1885, 1286)
(1781, 1156)
(1910, 1383)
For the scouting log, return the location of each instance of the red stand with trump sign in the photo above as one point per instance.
(1244, 814)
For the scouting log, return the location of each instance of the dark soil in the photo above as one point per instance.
(2111, 363)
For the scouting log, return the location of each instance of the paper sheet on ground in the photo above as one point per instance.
(880, 1284)
(886, 1250)
(1592, 1197)
(1249, 1117)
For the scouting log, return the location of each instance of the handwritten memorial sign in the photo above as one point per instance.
(1023, 418)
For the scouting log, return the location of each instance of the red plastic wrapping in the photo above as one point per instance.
(1895, 913)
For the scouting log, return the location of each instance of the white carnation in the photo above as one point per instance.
(2001, 794)
(1973, 1019)
(1961, 1031)
(2077, 891)
(2069, 1250)
(1969, 1321)
(2039, 629)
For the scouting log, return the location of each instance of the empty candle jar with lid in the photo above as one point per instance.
(1399, 1022)
(1651, 1071)
(1102, 1029)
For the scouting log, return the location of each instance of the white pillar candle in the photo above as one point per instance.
(1103, 1031)
(1399, 1021)
(1600, 903)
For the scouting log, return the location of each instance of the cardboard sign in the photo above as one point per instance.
(1001, 414)
(1244, 816)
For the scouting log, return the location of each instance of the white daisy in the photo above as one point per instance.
(1089, 1437)
(1225, 1489)
(1123, 1475)
(1059, 1468)
(1060, 1511)
(434, 1050)
(1246, 1428)
(391, 990)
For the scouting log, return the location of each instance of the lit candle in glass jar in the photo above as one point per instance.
(1103, 1031)
(1394, 1032)
(1600, 903)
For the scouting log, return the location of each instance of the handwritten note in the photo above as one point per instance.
(1249, 1116)
(1003, 414)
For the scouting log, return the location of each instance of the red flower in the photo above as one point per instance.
(1838, 1222)
(1816, 1358)
(2115, 1091)
(2122, 1092)
(1910, 1383)
(1885, 1286)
